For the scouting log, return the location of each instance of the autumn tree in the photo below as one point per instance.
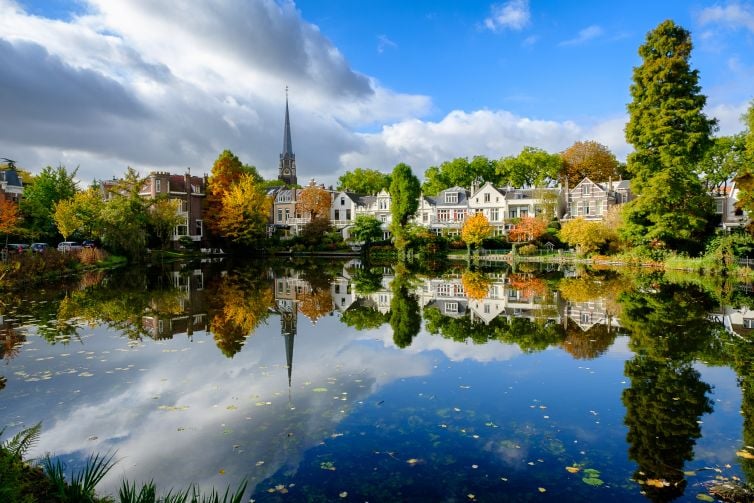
(164, 217)
(314, 201)
(589, 159)
(670, 134)
(226, 171)
(476, 285)
(363, 181)
(587, 236)
(245, 211)
(532, 167)
(10, 217)
(65, 217)
(458, 172)
(404, 192)
(527, 229)
(475, 229)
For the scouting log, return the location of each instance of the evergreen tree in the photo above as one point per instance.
(670, 135)
(404, 193)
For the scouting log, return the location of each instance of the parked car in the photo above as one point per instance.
(67, 246)
(88, 243)
(16, 248)
(39, 247)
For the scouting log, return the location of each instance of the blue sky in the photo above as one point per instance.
(162, 85)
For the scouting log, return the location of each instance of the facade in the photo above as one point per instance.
(490, 201)
(189, 190)
(11, 187)
(445, 212)
(725, 206)
(592, 200)
(287, 168)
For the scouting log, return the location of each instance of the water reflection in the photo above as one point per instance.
(254, 409)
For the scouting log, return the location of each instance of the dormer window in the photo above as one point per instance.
(586, 189)
(451, 197)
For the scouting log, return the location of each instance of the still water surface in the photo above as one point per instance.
(327, 382)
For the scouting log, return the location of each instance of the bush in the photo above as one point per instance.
(91, 256)
(527, 250)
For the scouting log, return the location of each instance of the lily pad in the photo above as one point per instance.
(592, 481)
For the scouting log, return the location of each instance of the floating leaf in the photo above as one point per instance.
(745, 454)
(412, 461)
(592, 481)
(327, 465)
(573, 469)
(542, 489)
(690, 473)
(221, 471)
(319, 390)
(704, 497)
(344, 494)
(657, 483)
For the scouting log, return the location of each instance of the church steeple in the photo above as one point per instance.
(287, 169)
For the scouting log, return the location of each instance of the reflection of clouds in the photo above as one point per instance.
(218, 416)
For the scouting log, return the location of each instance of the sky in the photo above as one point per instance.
(105, 84)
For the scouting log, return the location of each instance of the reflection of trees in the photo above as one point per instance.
(363, 317)
(315, 304)
(667, 398)
(528, 284)
(475, 284)
(405, 318)
(239, 302)
(590, 344)
(10, 341)
(367, 280)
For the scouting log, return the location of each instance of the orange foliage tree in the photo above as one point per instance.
(527, 229)
(9, 216)
(589, 159)
(315, 304)
(475, 229)
(528, 285)
(226, 171)
(314, 201)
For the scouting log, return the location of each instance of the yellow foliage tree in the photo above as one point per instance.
(245, 211)
(66, 218)
(589, 159)
(314, 201)
(475, 229)
(588, 237)
(476, 285)
(315, 304)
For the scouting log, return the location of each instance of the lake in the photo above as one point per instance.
(329, 381)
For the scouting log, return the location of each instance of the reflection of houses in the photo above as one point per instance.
(342, 293)
(187, 316)
(737, 321)
(590, 313)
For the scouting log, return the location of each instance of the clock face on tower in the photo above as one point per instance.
(286, 171)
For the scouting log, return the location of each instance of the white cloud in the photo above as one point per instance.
(383, 42)
(585, 35)
(733, 15)
(513, 15)
(728, 117)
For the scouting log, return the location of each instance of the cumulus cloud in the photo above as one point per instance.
(511, 15)
(732, 15)
(585, 35)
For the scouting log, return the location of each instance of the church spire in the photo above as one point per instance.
(287, 169)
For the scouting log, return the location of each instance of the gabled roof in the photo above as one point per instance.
(463, 196)
(606, 186)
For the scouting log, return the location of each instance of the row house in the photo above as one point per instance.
(444, 213)
(725, 199)
(189, 191)
(592, 200)
(11, 187)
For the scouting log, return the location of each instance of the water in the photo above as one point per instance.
(331, 381)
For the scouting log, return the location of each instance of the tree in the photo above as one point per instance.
(475, 229)
(532, 167)
(245, 212)
(88, 206)
(314, 201)
(476, 285)
(725, 158)
(458, 172)
(404, 192)
(65, 217)
(745, 179)
(49, 187)
(226, 171)
(363, 181)
(405, 317)
(9, 217)
(670, 135)
(589, 159)
(527, 229)
(587, 236)
(366, 229)
(164, 217)
(125, 217)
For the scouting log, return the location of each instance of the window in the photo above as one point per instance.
(425, 217)
(337, 289)
(383, 219)
(287, 214)
(184, 206)
(748, 322)
(487, 197)
(157, 185)
(280, 215)
(486, 309)
(348, 214)
(451, 307)
(444, 290)
(586, 189)
(451, 197)
(586, 317)
(523, 212)
(599, 210)
(199, 228)
(195, 189)
(342, 201)
(443, 215)
(719, 206)
(383, 204)
(337, 214)
(513, 213)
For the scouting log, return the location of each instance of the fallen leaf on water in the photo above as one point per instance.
(344, 494)
(573, 469)
(704, 497)
(745, 454)
(412, 461)
(221, 472)
(319, 390)
(657, 482)
(542, 489)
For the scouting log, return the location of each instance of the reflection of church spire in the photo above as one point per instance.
(288, 328)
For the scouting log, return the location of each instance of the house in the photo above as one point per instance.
(11, 187)
(284, 215)
(343, 209)
(725, 205)
(444, 213)
(490, 201)
(377, 206)
(592, 200)
(189, 191)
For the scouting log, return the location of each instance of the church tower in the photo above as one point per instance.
(287, 169)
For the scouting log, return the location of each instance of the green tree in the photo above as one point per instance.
(670, 135)
(588, 237)
(88, 205)
(363, 181)
(65, 217)
(745, 178)
(725, 158)
(405, 319)
(458, 172)
(37, 206)
(366, 229)
(125, 217)
(532, 167)
(404, 192)
(362, 317)
(163, 218)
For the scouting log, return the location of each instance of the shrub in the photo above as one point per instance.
(527, 250)
(91, 256)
